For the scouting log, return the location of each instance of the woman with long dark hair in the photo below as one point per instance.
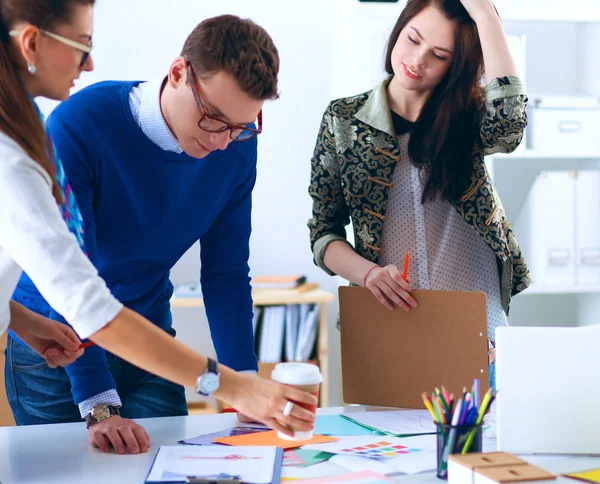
(44, 47)
(405, 163)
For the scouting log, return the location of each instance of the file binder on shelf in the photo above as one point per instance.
(546, 229)
(587, 227)
(310, 341)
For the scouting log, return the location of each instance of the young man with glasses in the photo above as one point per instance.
(155, 167)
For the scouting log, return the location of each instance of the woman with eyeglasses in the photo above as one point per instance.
(44, 47)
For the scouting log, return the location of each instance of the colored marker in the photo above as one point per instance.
(406, 262)
(428, 406)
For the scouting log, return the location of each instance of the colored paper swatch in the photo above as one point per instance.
(311, 457)
(270, 439)
(290, 458)
(340, 426)
(207, 439)
(592, 475)
(379, 450)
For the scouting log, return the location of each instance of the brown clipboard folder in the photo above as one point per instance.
(390, 357)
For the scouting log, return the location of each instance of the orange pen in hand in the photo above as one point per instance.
(87, 344)
(406, 262)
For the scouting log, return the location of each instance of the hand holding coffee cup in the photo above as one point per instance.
(303, 376)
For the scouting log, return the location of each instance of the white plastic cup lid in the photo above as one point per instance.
(297, 373)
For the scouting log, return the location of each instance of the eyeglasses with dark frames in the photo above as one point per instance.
(214, 124)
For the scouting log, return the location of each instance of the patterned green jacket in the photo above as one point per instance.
(355, 156)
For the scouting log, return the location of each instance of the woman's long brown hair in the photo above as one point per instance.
(443, 138)
(19, 119)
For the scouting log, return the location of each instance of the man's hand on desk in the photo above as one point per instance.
(121, 433)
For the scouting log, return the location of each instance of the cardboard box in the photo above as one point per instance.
(507, 474)
(461, 468)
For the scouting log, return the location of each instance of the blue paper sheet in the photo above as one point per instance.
(336, 425)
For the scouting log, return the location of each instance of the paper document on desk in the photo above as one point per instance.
(396, 422)
(409, 455)
(254, 465)
(207, 439)
(338, 426)
(489, 426)
(406, 464)
(377, 447)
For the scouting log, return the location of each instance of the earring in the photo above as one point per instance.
(31, 68)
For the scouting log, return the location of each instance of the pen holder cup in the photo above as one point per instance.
(456, 439)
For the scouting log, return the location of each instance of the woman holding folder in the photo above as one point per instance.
(44, 47)
(405, 163)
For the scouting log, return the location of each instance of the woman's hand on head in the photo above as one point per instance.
(478, 8)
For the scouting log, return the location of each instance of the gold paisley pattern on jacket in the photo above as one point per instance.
(354, 160)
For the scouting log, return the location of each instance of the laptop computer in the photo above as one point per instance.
(548, 382)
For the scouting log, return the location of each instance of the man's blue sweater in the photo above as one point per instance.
(143, 208)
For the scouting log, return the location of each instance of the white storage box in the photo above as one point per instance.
(564, 125)
(587, 240)
(545, 229)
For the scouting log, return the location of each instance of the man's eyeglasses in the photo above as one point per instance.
(85, 49)
(213, 124)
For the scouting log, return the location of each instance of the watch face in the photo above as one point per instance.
(209, 382)
(101, 412)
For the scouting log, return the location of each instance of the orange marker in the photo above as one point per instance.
(406, 262)
(87, 344)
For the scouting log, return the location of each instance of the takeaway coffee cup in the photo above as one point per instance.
(304, 376)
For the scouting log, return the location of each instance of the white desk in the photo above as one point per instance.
(59, 454)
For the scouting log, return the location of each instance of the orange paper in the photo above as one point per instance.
(270, 439)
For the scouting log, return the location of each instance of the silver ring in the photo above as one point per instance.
(288, 408)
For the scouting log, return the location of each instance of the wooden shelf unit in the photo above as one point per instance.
(276, 297)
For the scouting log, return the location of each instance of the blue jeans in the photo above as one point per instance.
(38, 394)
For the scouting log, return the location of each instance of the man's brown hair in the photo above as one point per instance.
(238, 47)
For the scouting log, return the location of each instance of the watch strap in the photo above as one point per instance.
(211, 367)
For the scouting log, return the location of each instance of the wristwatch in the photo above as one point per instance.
(208, 382)
(100, 413)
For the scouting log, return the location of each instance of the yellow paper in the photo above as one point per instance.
(587, 476)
